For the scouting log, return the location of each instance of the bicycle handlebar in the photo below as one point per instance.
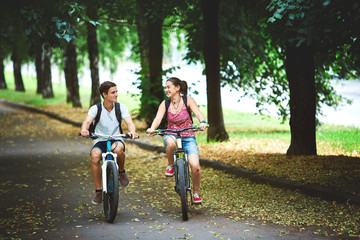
(110, 137)
(163, 131)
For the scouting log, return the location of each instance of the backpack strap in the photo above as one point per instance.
(97, 118)
(118, 115)
(188, 109)
(167, 105)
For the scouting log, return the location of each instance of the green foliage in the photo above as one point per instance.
(253, 43)
(56, 19)
(248, 60)
(116, 32)
(327, 26)
(192, 23)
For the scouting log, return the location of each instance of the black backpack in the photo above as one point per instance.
(98, 114)
(167, 105)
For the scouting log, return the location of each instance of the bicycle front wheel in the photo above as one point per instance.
(111, 198)
(182, 189)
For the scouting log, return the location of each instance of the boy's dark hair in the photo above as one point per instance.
(105, 86)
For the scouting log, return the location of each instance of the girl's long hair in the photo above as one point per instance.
(177, 82)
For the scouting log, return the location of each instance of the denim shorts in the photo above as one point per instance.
(103, 145)
(188, 143)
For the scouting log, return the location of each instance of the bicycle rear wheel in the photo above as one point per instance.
(111, 198)
(182, 189)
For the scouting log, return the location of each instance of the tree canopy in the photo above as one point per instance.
(257, 41)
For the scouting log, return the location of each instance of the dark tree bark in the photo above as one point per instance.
(71, 78)
(93, 55)
(67, 71)
(143, 34)
(211, 53)
(2, 75)
(39, 72)
(300, 71)
(19, 84)
(151, 50)
(46, 70)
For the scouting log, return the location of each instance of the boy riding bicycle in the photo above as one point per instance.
(108, 124)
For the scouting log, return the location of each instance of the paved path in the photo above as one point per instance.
(46, 188)
(308, 189)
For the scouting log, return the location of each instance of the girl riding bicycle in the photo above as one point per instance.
(179, 116)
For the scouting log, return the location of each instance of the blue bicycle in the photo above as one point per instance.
(110, 177)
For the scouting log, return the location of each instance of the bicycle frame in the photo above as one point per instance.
(109, 170)
(181, 168)
(180, 153)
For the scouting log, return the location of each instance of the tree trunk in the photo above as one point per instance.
(39, 72)
(93, 55)
(151, 50)
(71, 78)
(211, 53)
(155, 62)
(143, 35)
(2, 75)
(19, 84)
(67, 71)
(46, 70)
(300, 71)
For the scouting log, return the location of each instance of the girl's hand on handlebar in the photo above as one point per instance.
(150, 131)
(203, 126)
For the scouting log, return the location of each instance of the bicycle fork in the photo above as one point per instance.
(181, 154)
(106, 161)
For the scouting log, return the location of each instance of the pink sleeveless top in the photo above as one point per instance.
(180, 120)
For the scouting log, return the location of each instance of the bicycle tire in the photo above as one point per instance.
(111, 198)
(183, 189)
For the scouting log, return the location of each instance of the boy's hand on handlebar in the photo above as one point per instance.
(133, 135)
(84, 133)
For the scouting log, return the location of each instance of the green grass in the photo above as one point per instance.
(59, 89)
(237, 124)
(250, 122)
(30, 96)
(346, 138)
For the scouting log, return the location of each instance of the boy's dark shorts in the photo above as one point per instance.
(102, 145)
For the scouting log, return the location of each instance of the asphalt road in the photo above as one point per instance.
(46, 187)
